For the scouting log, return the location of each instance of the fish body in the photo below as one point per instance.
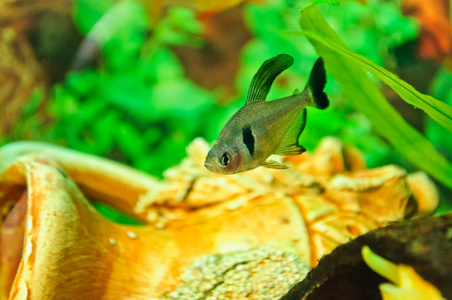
(262, 128)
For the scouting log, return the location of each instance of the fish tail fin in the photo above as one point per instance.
(316, 84)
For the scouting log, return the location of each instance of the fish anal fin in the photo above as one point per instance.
(291, 150)
(289, 145)
(274, 165)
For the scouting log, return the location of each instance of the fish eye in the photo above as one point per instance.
(224, 160)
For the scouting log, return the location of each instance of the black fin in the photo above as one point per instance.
(248, 138)
(316, 84)
(263, 79)
(289, 145)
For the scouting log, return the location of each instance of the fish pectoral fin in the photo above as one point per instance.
(274, 165)
(263, 79)
(289, 145)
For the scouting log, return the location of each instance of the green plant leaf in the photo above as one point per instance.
(331, 2)
(439, 136)
(162, 65)
(436, 109)
(127, 135)
(82, 82)
(180, 27)
(115, 215)
(86, 13)
(364, 95)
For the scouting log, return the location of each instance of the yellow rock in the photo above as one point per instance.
(70, 251)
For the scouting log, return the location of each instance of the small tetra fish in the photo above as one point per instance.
(260, 128)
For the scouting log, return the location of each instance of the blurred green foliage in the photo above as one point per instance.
(139, 107)
(365, 28)
(441, 137)
(348, 68)
(115, 215)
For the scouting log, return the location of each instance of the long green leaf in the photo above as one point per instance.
(436, 109)
(364, 95)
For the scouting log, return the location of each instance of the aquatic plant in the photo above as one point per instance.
(367, 98)
(139, 105)
(136, 97)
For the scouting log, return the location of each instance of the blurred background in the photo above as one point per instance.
(137, 81)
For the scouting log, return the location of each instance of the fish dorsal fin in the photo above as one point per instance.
(289, 145)
(263, 79)
(274, 165)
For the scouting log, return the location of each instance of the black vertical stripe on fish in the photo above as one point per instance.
(248, 138)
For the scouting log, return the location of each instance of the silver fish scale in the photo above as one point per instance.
(263, 273)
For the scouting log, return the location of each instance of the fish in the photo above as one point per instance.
(262, 128)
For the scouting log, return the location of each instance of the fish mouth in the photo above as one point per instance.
(209, 166)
